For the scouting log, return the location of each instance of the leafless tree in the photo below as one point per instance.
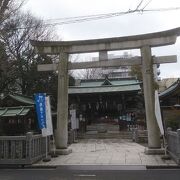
(8, 8)
(94, 73)
(15, 36)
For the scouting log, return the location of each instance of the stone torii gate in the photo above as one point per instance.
(143, 42)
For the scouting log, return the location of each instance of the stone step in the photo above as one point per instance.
(104, 137)
(104, 131)
(102, 126)
(110, 135)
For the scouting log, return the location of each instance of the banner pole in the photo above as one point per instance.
(47, 158)
(54, 148)
(46, 148)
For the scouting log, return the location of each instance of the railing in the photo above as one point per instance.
(22, 150)
(139, 135)
(173, 140)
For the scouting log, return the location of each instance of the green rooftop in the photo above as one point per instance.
(105, 86)
(22, 99)
(15, 111)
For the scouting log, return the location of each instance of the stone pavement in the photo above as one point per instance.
(108, 152)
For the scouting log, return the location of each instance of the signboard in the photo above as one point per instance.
(40, 103)
(158, 113)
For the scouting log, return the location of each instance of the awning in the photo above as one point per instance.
(14, 111)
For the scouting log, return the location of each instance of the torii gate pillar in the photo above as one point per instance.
(61, 134)
(148, 85)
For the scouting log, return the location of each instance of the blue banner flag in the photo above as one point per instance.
(40, 103)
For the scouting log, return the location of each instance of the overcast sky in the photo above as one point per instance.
(124, 25)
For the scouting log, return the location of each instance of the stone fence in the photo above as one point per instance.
(173, 140)
(22, 150)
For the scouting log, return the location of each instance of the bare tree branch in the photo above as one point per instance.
(8, 8)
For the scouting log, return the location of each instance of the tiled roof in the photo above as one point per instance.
(170, 89)
(98, 86)
(22, 99)
(14, 111)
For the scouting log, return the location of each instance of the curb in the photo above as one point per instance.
(162, 167)
(27, 167)
(94, 167)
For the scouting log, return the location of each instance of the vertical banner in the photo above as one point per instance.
(49, 129)
(158, 113)
(40, 103)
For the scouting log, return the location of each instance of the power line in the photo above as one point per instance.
(80, 19)
(101, 15)
(147, 4)
(162, 9)
(139, 5)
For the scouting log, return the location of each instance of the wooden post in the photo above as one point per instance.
(147, 72)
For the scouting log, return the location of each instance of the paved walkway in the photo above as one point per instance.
(107, 152)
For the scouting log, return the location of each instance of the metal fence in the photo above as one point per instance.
(22, 150)
(173, 140)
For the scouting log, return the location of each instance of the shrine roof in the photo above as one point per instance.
(111, 81)
(15, 111)
(171, 90)
(22, 99)
(103, 86)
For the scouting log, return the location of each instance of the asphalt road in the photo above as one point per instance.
(90, 173)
